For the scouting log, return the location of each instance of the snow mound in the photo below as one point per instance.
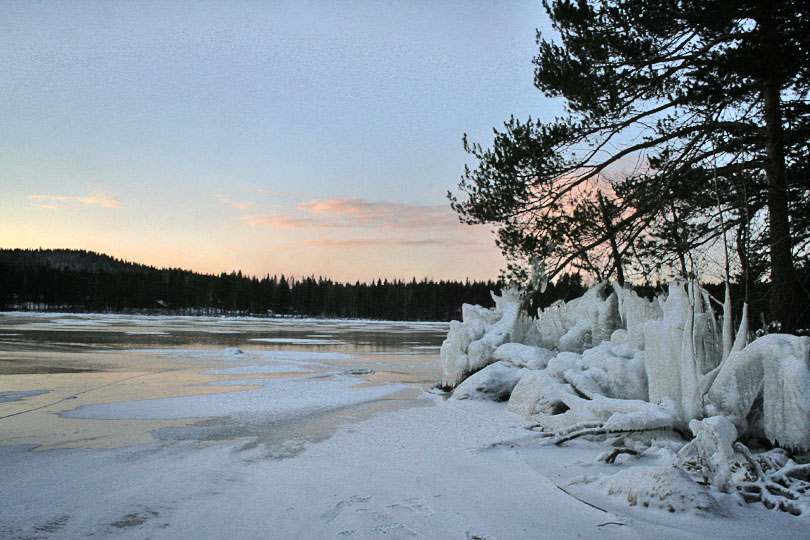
(664, 487)
(495, 382)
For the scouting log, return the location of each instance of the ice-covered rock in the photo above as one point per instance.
(778, 366)
(470, 344)
(495, 382)
(664, 487)
(538, 392)
(520, 355)
(599, 371)
(623, 414)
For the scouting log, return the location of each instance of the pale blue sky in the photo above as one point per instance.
(305, 137)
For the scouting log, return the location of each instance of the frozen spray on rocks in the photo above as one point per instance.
(612, 362)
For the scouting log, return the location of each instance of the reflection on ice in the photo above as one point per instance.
(300, 341)
(256, 369)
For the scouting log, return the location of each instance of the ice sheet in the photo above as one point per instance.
(274, 398)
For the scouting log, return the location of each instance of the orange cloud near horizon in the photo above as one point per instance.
(344, 239)
(389, 242)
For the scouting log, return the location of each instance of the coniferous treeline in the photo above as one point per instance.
(84, 281)
(78, 280)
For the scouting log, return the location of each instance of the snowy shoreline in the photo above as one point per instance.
(440, 471)
(288, 444)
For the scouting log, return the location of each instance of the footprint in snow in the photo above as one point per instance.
(414, 505)
(358, 517)
(355, 500)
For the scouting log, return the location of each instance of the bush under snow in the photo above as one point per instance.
(663, 487)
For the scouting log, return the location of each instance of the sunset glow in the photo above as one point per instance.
(266, 138)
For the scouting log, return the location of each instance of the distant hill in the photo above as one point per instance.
(67, 259)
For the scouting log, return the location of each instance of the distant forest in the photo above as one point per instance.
(83, 281)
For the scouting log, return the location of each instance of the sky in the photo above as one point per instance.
(303, 137)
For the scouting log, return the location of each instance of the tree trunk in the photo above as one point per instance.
(782, 270)
(783, 273)
(676, 233)
(614, 247)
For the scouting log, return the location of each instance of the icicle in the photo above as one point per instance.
(729, 343)
(715, 354)
(742, 333)
(690, 394)
(728, 326)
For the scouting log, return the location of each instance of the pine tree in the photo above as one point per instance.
(711, 96)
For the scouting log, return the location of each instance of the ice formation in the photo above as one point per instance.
(681, 348)
(611, 362)
(470, 344)
(711, 449)
(537, 392)
(778, 367)
(581, 323)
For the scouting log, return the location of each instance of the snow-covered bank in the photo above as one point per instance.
(432, 472)
(612, 364)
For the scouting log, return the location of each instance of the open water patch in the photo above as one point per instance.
(7, 397)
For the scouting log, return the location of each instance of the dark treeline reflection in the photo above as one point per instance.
(75, 280)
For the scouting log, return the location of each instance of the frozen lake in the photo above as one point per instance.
(268, 373)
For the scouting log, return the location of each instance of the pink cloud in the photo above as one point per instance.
(105, 201)
(383, 214)
(239, 205)
(388, 242)
(288, 223)
(358, 213)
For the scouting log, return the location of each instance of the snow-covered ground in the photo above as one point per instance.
(424, 472)
(286, 440)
